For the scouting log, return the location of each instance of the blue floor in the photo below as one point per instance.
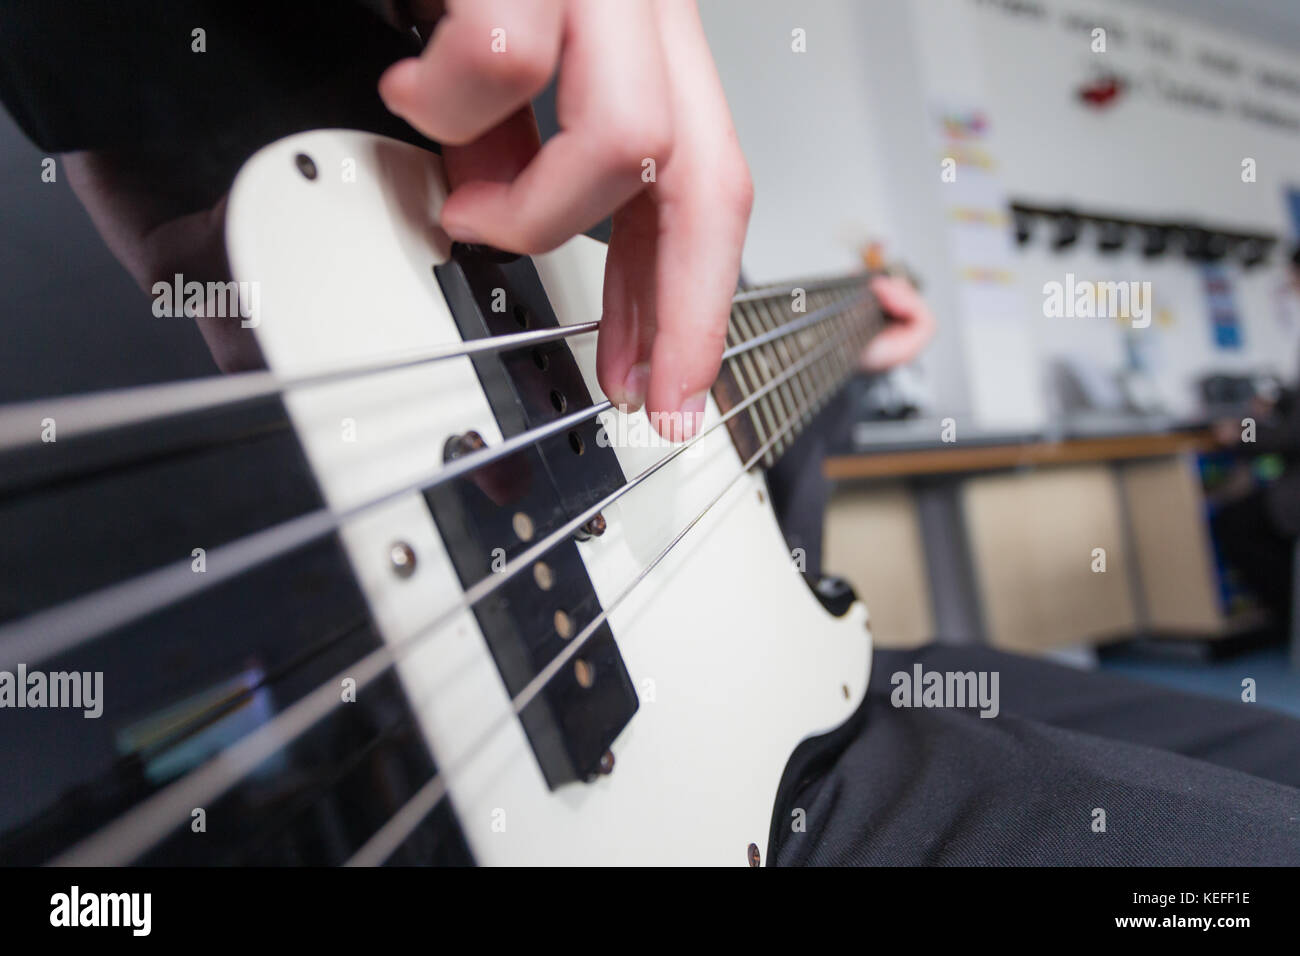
(1277, 684)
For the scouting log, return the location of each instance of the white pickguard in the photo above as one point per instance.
(733, 659)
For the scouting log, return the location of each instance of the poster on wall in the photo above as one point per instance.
(976, 206)
(1225, 320)
(1002, 371)
(1288, 289)
(978, 224)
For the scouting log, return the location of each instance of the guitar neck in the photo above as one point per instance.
(811, 335)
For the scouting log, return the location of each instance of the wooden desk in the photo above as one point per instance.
(1004, 541)
(958, 458)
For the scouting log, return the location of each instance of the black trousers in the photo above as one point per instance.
(1077, 768)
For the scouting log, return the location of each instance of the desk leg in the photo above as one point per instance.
(954, 589)
(1133, 560)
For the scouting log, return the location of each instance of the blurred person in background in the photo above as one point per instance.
(1257, 532)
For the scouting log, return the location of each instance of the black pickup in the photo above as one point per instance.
(497, 512)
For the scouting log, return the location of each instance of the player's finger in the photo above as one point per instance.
(485, 60)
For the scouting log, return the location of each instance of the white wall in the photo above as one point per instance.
(1148, 155)
(841, 144)
(825, 133)
(805, 121)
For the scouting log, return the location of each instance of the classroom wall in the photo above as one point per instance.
(805, 124)
(845, 141)
(1161, 152)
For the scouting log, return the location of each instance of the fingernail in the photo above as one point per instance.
(634, 385)
(462, 233)
(693, 414)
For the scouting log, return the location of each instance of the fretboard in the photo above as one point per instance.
(819, 328)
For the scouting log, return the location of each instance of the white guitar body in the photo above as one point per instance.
(735, 662)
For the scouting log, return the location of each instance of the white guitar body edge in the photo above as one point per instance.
(733, 659)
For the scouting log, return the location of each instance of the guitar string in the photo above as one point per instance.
(70, 623)
(139, 829)
(777, 290)
(98, 412)
(394, 832)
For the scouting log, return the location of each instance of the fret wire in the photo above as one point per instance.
(865, 319)
(777, 403)
(808, 379)
(793, 350)
(754, 418)
(780, 396)
(860, 318)
(834, 358)
(736, 338)
(793, 390)
(733, 333)
(837, 368)
(827, 295)
(742, 371)
(857, 318)
(848, 357)
(763, 316)
(808, 382)
(764, 404)
(804, 379)
(821, 377)
(828, 372)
